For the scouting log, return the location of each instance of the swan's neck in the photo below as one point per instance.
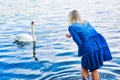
(33, 34)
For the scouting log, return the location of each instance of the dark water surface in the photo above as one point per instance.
(56, 56)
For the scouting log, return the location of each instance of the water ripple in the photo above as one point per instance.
(54, 57)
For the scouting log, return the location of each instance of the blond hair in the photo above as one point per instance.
(74, 16)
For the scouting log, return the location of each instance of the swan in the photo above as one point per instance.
(26, 37)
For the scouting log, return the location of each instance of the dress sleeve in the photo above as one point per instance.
(75, 36)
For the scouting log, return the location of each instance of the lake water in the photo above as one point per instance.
(54, 57)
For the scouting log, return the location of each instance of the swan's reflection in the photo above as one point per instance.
(34, 51)
(22, 44)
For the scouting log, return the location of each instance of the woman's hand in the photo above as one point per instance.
(68, 35)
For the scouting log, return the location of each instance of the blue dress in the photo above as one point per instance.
(92, 46)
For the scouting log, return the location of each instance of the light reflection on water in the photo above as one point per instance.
(56, 55)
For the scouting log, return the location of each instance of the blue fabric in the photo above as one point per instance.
(92, 46)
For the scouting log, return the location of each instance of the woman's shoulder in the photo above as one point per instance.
(73, 26)
(79, 25)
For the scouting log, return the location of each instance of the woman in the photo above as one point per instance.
(92, 45)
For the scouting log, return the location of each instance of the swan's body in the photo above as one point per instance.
(25, 37)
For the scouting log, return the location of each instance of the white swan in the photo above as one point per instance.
(26, 37)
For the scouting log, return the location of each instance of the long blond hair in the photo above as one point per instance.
(74, 16)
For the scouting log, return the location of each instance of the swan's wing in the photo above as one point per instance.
(24, 38)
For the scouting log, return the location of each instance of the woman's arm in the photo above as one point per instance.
(75, 36)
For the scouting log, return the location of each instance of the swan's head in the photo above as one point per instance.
(32, 23)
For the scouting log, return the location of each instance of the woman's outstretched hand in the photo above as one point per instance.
(68, 35)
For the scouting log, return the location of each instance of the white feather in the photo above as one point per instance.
(25, 37)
